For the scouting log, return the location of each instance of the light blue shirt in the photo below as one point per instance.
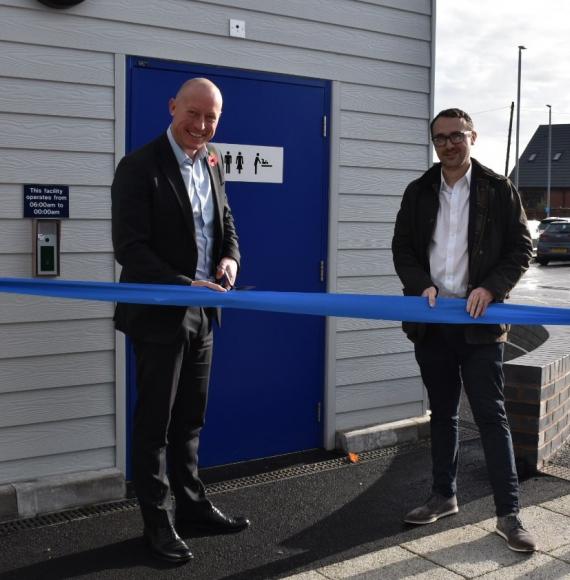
(197, 180)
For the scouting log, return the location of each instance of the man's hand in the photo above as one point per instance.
(431, 294)
(226, 272)
(208, 284)
(478, 301)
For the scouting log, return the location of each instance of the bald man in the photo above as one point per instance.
(172, 224)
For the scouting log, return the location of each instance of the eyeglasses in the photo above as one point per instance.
(456, 137)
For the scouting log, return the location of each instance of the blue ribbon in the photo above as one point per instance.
(409, 308)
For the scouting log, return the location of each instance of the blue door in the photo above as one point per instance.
(268, 372)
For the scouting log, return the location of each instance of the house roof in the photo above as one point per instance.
(533, 168)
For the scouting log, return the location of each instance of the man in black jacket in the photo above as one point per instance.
(172, 224)
(461, 232)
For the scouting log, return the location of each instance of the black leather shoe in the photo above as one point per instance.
(164, 543)
(213, 521)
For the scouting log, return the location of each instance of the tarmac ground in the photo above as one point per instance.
(319, 517)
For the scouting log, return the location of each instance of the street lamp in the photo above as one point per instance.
(549, 164)
(521, 48)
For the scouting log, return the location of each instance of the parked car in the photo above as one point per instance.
(544, 223)
(536, 227)
(554, 242)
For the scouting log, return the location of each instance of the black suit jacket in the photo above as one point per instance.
(154, 237)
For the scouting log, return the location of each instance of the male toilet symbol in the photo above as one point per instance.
(228, 161)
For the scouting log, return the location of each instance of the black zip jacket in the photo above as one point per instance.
(499, 242)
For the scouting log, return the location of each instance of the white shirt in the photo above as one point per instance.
(448, 251)
(197, 179)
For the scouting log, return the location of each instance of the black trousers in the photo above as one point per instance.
(446, 363)
(172, 389)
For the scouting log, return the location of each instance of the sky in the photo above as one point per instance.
(476, 68)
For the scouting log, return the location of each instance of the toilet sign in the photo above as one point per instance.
(257, 163)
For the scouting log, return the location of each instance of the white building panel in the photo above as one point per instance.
(51, 372)
(62, 116)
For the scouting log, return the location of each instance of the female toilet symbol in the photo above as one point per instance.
(239, 161)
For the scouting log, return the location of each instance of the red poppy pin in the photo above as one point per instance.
(212, 160)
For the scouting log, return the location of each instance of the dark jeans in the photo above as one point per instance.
(446, 362)
(172, 389)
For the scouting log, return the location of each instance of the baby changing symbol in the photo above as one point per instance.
(261, 162)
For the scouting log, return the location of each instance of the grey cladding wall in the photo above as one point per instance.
(59, 124)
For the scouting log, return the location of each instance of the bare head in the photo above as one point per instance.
(195, 111)
(453, 114)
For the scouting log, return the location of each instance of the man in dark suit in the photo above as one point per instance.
(172, 224)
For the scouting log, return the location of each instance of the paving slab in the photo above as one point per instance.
(560, 505)
(469, 551)
(562, 553)
(311, 575)
(551, 530)
(393, 562)
(537, 567)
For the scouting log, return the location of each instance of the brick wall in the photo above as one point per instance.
(537, 392)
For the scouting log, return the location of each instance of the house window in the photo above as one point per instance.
(532, 157)
(557, 156)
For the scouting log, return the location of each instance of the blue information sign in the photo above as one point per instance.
(46, 201)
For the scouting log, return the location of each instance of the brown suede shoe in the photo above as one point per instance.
(518, 539)
(437, 506)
